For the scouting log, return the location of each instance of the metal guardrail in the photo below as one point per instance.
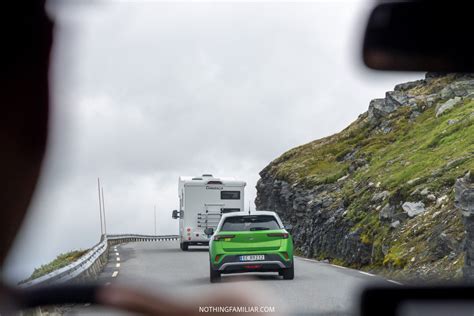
(74, 269)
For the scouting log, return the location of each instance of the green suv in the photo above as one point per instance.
(255, 242)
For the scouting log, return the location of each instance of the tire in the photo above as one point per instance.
(288, 273)
(184, 246)
(214, 275)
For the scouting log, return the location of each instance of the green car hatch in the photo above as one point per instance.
(256, 242)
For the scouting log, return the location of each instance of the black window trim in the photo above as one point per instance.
(232, 193)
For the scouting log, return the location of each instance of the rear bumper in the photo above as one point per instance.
(272, 262)
(196, 243)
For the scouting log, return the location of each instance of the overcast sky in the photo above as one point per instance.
(145, 92)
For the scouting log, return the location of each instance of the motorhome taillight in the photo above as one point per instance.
(223, 237)
(188, 229)
(280, 235)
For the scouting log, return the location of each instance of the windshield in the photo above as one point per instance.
(250, 223)
(167, 115)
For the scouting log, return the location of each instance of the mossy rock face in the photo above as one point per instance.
(344, 193)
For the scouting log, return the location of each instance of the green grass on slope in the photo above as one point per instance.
(319, 161)
(427, 148)
(411, 150)
(61, 260)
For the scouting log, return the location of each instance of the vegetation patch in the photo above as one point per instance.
(60, 261)
(410, 155)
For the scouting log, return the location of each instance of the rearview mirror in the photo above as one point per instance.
(174, 215)
(419, 36)
(209, 231)
(288, 227)
(417, 300)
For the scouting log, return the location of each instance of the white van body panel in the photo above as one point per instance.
(203, 200)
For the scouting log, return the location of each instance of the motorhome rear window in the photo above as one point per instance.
(250, 223)
(230, 195)
(229, 210)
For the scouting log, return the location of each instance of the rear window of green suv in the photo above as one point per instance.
(250, 223)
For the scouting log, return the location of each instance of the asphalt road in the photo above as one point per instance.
(318, 288)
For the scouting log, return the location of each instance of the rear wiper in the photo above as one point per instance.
(259, 228)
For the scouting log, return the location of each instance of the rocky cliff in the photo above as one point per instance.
(379, 195)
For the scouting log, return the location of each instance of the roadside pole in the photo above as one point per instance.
(100, 209)
(155, 218)
(103, 209)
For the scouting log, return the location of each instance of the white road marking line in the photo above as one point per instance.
(107, 284)
(118, 258)
(306, 259)
(345, 268)
(116, 253)
(340, 267)
(395, 282)
(117, 265)
(114, 274)
(316, 261)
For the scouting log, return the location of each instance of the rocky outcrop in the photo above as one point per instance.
(464, 195)
(320, 227)
(379, 194)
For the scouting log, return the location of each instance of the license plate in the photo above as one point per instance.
(252, 258)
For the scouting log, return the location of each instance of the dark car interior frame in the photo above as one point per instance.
(401, 36)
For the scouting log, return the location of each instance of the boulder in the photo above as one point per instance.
(395, 224)
(380, 196)
(446, 93)
(378, 108)
(409, 85)
(387, 212)
(425, 191)
(464, 195)
(452, 122)
(448, 105)
(413, 208)
(442, 200)
(414, 115)
(395, 99)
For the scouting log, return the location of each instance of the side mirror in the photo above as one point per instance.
(209, 231)
(174, 215)
(289, 227)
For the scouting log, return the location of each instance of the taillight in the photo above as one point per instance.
(285, 254)
(280, 235)
(223, 237)
(216, 259)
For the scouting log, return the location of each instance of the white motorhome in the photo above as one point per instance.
(202, 201)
